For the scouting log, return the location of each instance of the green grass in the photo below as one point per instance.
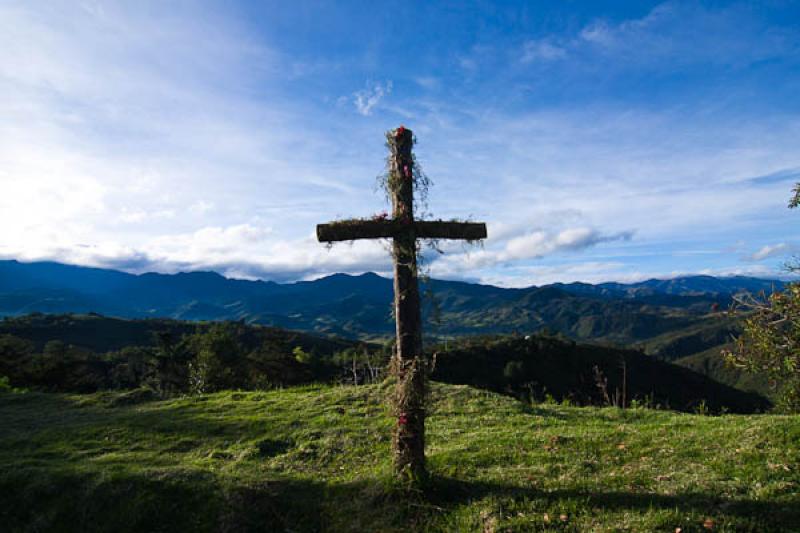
(317, 458)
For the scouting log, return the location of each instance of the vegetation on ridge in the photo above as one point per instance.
(534, 368)
(73, 353)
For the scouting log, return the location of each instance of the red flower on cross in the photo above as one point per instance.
(402, 420)
(399, 131)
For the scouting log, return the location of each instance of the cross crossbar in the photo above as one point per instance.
(351, 230)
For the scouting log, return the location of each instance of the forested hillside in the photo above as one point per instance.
(88, 353)
(536, 368)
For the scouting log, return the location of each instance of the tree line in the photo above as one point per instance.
(217, 356)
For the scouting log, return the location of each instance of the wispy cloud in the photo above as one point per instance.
(540, 243)
(428, 82)
(771, 250)
(365, 100)
(513, 250)
(688, 33)
(541, 50)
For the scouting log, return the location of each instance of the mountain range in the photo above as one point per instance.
(360, 306)
(681, 320)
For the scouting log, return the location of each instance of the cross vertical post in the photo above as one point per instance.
(408, 362)
(409, 435)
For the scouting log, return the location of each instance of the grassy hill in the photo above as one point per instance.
(316, 459)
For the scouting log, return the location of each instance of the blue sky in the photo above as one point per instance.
(599, 140)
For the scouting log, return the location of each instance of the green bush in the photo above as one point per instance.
(770, 344)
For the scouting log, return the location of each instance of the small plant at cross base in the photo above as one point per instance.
(403, 182)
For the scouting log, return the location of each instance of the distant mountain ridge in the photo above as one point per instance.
(680, 286)
(360, 306)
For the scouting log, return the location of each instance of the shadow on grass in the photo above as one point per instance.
(447, 492)
(34, 412)
(202, 501)
(199, 501)
(180, 501)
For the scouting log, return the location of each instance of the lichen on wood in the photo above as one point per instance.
(450, 229)
(353, 229)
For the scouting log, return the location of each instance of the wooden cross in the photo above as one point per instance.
(408, 362)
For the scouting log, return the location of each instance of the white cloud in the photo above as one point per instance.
(510, 251)
(756, 271)
(540, 243)
(768, 251)
(428, 82)
(365, 100)
(541, 50)
(133, 216)
(683, 33)
(243, 251)
(598, 32)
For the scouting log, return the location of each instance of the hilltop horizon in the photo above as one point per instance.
(360, 306)
(783, 277)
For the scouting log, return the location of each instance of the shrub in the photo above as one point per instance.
(770, 343)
